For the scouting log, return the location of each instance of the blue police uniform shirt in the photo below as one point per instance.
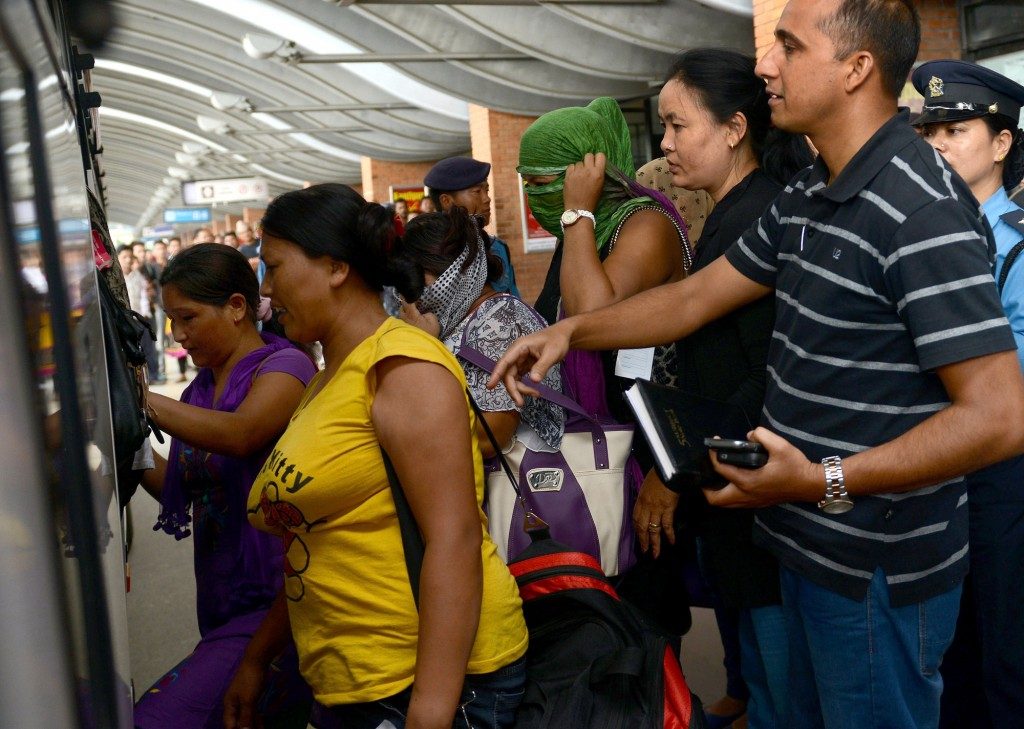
(1007, 237)
(507, 283)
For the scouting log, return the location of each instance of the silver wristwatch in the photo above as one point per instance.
(571, 217)
(836, 500)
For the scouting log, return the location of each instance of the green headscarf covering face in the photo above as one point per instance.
(563, 137)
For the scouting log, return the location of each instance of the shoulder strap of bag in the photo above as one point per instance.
(532, 524)
(1010, 258)
(412, 539)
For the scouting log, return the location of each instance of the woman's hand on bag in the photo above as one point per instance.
(654, 514)
(584, 182)
(242, 695)
(427, 322)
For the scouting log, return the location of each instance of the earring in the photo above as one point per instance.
(1000, 158)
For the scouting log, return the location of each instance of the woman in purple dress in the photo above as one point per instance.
(248, 385)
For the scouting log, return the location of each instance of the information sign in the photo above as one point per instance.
(227, 190)
(187, 215)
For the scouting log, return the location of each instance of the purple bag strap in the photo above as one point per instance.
(478, 358)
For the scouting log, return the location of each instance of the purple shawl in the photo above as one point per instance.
(237, 568)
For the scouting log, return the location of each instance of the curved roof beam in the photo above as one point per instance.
(658, 27)
(152, 75)
(134, 118)
(130, 69)
(390, 133)
(170, 128)
(542, 33)
(551, 86)
(315, 39)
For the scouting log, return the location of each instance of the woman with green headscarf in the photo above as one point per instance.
(581, 159)
(578, 162)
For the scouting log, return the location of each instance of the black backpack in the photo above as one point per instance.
(591, 662)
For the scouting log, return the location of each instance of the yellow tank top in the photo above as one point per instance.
(325, 490)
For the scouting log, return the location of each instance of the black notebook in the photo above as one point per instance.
(675, 424)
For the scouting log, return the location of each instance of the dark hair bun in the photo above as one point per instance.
(387, 264)
(334, 220)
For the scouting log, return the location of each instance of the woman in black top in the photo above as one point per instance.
(718, 138)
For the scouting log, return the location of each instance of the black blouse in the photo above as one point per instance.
(726, 360)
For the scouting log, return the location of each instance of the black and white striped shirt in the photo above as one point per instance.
(880, 278)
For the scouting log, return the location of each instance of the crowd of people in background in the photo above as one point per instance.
(841, 271)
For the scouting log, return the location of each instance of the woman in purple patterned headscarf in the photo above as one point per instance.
(248, 385)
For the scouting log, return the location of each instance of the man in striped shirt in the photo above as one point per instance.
(892, 370)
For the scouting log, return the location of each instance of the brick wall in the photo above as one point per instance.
(766, 15)
(379, 175)
(495, 138)
(940, 34)
(940, 29)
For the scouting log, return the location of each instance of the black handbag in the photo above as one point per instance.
(123, 331)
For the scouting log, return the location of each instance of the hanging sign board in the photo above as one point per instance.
(412, 194)
(157, 231)
(228, 190)
(187, 215)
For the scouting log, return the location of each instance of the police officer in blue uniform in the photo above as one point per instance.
(971, 116)
(462, 181)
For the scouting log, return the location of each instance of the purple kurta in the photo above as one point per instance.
(238, 569)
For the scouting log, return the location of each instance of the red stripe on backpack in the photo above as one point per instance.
(548, 561)
(553, 585)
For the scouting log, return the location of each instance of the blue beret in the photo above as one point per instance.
(955, 90)
(456, 173)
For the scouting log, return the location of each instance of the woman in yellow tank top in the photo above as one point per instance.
(366, 650)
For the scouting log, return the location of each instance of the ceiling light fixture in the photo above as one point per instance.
(210, 125)
(261, 47)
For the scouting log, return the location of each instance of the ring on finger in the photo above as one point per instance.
(652, 527)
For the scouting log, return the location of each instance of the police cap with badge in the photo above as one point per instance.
(456, 173)
(957, 90)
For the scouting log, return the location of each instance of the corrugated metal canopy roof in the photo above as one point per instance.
(165, 59)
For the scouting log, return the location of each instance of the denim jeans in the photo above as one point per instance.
(488, 701)
(728, 620)
(764, 644)
(864, 664)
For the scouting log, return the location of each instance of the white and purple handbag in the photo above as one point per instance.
(585, 491)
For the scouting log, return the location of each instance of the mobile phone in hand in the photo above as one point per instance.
(740, 453)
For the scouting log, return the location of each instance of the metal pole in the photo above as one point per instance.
(425, 57)
(297, 130)
(335, 107)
